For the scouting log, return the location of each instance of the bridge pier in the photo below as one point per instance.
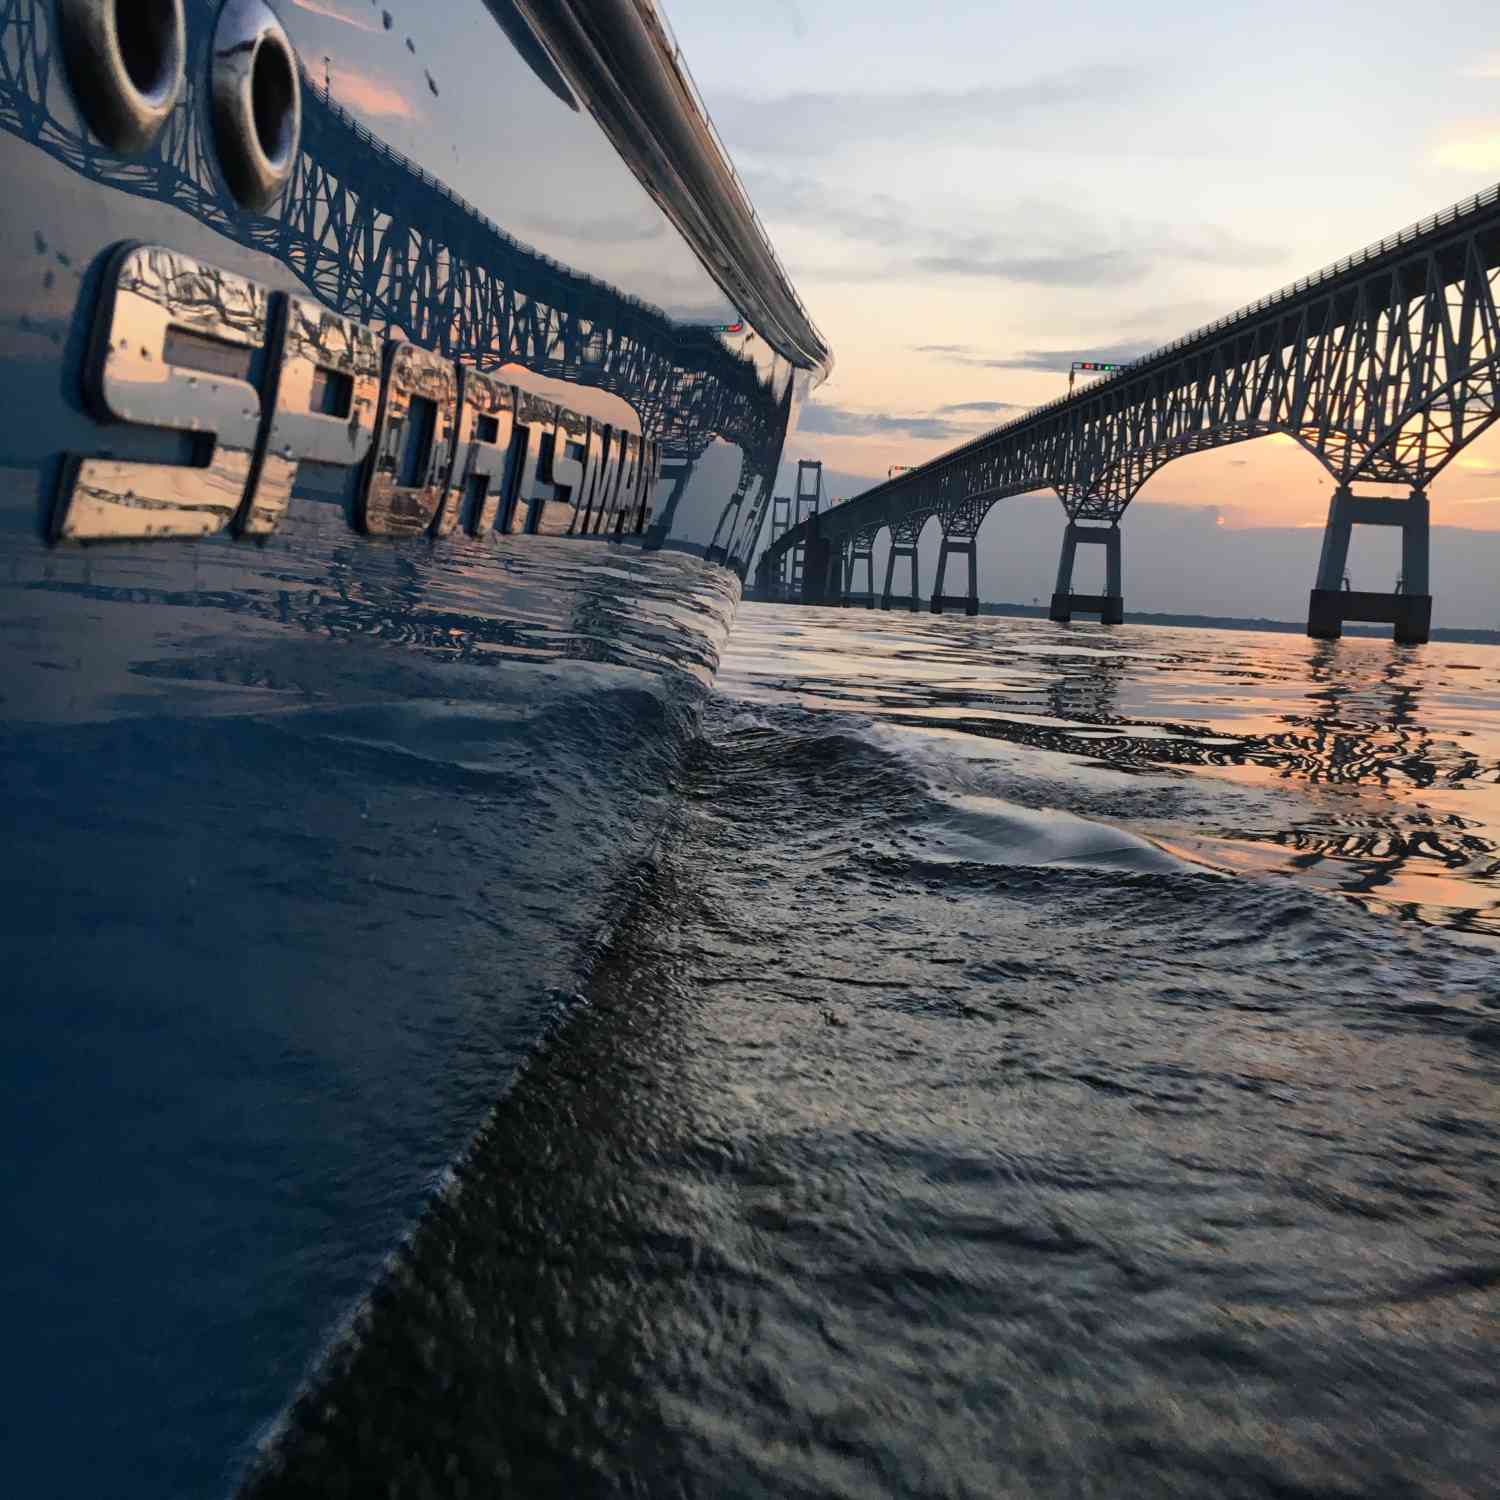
(1409, 609)
(1110, 605)
(822, 571)
(908, 551)
(954, 546)
(861, 550)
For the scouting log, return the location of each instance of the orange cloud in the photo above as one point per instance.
(370, 96)
(326, 8)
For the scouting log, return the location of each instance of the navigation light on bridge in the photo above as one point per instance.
(1092, 366)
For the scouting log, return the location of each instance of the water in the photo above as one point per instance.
(1034, 1061)
(305, 848)
(1353, 766)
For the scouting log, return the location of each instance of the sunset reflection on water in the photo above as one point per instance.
(1355, 766)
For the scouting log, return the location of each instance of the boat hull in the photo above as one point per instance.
(316, 830)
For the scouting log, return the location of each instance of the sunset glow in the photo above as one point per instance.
(336, 12)
(1480, 153)
(370, 96)
(978, 205)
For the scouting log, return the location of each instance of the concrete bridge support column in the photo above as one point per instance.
(819, 561)
(955, 546)
(900, 549)
(1110, 605)
(833, 590)
(1407, 609)
(861, 551)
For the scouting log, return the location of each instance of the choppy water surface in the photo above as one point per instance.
(1034, 1061)
(1361, 767)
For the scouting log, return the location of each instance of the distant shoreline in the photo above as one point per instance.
(1457, 634)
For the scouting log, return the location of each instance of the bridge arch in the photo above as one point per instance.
(906, 538)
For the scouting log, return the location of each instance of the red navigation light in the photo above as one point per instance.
(1092, 366)
(726, 327)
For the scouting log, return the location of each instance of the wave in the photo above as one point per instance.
(901, 1150)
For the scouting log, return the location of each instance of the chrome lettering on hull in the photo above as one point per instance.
(534, 418)
(630, 483)
(564, 457)
(174, 349)
(482, 452)
(593, 463)
(326, 374)
(603, 498)
(406, 483)
(261, 381)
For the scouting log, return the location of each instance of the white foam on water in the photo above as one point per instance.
(986, 830)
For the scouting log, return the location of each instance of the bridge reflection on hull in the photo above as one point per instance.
(1382, 366)
(379, 239)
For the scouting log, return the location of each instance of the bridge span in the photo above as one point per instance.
(1383, 366)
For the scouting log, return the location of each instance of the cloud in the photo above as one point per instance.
(821, 123)
(602, 229)
(838, 421)
(1049, 256)
(1051, 360)
(334, 13)
(985, 408)
(1170, 318)
(1486, 67)
(1062, 269)
(957, 419)
(879, 218)
(368, 96)
(1033, 241)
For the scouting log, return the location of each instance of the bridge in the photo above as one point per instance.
(1383, 366)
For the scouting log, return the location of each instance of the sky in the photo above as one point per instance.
(969, 196)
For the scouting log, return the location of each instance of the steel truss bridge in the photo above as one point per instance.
(382, 241)
(1383, 366)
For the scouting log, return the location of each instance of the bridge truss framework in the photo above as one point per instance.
(1383, 366)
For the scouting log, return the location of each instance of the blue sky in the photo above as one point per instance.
(970, 196)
